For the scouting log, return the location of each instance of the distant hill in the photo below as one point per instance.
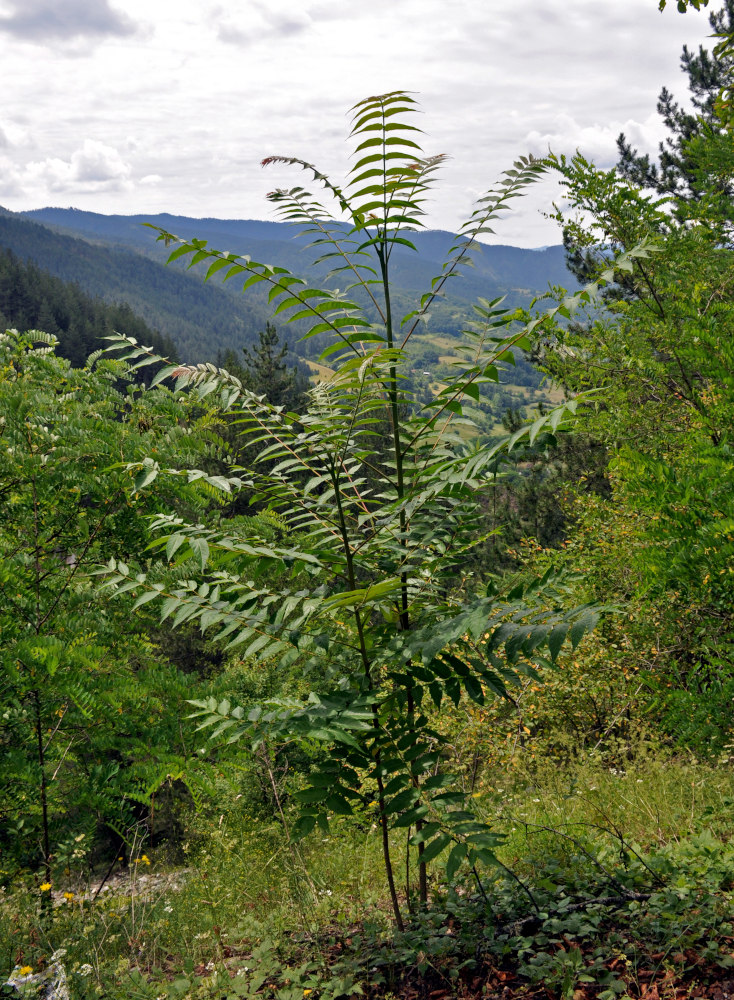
(32, 299)
(200, 319)
(106, 255)
(497, 269)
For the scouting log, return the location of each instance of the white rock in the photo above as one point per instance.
(47, 985)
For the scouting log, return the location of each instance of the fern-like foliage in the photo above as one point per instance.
(380, 501)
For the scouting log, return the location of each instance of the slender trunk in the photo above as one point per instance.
(46, 897)
(398, 453)
(367, 666)
(381, 801)
(44, 788)
(408, 894)
(386, 853)
(422, 873)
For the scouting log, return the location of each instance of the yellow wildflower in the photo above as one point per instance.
(45, 886)
(69, 896)
(25, 970)
(145, 859)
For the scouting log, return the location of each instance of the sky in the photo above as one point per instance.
(137, 106)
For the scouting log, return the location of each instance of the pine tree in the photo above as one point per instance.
(677, 171)
(268, 374)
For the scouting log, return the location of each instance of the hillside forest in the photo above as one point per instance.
(388, 650)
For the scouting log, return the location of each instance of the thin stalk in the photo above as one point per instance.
(408, 894)
(399, 456)
(386, 850)
(345, 254)
(382, 255)
(367, 666)
(395, 419)
(475, 873)
(295, 853)
(44, 787)
(47, 901)
(422, 873)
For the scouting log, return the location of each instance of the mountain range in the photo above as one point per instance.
(117, 258)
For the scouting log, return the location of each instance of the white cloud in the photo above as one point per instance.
(595, 141)
(12, 135)
(10, 185)
(95, 167)
(258, 23)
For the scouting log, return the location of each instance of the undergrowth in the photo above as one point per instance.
(615, 879)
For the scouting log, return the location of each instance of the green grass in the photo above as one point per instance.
(242, 887)
(651, 799)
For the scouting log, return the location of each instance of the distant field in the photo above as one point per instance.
(440, 341)
(526, 398)
(319, 373)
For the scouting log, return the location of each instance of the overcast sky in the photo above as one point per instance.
(170, 105)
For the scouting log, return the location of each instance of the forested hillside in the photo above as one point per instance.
(360, 687)
(498, 270)
(31, 299)
(205, 321)
(200, 320)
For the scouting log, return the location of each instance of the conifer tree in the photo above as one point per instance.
(708, 72)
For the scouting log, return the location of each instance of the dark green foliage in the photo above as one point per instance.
(31, 299)
(662, 355)
(90, 720)
(200, 321)
(528, 498)
(263, 370)
(380, 502)
(567, 923)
